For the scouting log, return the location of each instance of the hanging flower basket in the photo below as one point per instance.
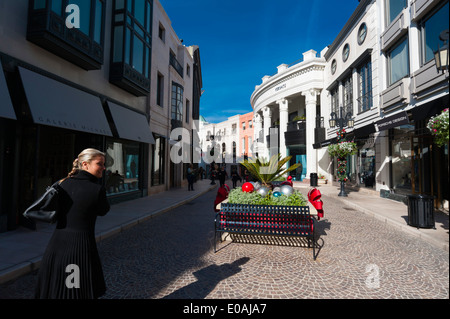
(342, 149)
(438, 125)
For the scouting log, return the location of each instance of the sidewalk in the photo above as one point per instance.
(392, 212)
(21, 250)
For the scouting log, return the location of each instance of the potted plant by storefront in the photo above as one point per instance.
(322, 179)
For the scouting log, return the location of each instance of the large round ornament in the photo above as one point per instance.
(263, 191)
(286, 190)
(247, 187)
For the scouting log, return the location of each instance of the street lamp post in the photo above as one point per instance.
(342, 121)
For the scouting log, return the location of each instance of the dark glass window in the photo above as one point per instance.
(132, 41)
(335, 100)
(122, 166)
(158, 160)
(365, 101)
(393, 9)
(49, 26)
(160, 90)
(348, 95)
(432, 26)
(177, 102)
(398, 62)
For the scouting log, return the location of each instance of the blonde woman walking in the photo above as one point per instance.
(71, 268)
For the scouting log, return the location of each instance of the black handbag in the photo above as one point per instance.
(46, 207)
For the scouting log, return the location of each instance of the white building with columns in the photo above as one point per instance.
(287, 105)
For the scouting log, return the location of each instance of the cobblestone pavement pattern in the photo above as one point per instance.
(171, 256)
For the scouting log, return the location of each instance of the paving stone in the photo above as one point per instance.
(171, 256)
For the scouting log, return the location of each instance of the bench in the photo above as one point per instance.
(290, 221)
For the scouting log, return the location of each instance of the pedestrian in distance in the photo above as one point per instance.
(235, 177)
(213, 173)
(71, 267)
(222, 176)
(190, 177)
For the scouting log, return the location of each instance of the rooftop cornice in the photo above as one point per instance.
(316, 64)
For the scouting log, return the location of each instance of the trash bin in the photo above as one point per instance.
(313, 179)
(421, 211)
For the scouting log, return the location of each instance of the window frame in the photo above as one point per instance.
(404, 40)
(422, 32)
(389, 17)
(365, 86)
(177, 108)
(130, 28)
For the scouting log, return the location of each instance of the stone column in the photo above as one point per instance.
(257, 128)
(283, 104)
(311, 155)
(267, 115)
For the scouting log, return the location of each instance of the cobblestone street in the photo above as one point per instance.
(172, 256)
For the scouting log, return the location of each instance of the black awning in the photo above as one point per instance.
(131, 125)
(6, 107)
(430, 109)
(364, 131)
(56, 104)
(325, 143)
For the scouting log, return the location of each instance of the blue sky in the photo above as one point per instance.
(241, 41)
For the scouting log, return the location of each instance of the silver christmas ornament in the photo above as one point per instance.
(286, 190)
(263, 191)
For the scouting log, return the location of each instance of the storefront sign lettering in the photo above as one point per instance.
(71, 125)
(393, 121)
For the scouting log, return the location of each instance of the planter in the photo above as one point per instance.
(322, 181)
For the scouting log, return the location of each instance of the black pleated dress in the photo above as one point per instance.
(73, 243)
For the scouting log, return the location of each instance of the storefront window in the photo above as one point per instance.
(367, 166)
(401, 159)
(158, 161)
(122, 166)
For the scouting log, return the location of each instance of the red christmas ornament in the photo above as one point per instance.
(247, 187)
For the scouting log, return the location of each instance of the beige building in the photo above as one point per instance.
(67, 84)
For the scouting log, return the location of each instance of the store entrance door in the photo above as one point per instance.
(429, 169)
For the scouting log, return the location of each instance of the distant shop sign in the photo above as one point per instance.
(393, 121)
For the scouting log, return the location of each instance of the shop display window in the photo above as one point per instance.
(401, 159)
(122, 167)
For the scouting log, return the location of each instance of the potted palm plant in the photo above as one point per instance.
(268, 171)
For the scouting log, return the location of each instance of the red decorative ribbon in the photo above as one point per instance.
(314, 198)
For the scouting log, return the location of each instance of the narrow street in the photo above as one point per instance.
(171, 257)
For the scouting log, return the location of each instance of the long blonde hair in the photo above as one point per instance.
(85, 156)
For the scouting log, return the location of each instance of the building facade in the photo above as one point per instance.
(175, 103)
(380, 72)
(220, 146)
(381, 69)
(287, 113)
(67, 84)
(246, 134)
